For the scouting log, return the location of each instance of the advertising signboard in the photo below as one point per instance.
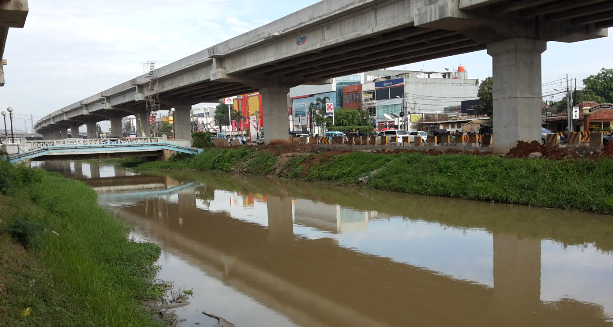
(575, 112)
(228, 100)
(416, 118)
(389, 83)
(330, 109)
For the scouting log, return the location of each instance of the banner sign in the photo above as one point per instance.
(416, 118)
(330, 109)
(228, 101)
(389, 83)
(601, 106)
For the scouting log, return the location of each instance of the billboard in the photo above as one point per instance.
(416, 118)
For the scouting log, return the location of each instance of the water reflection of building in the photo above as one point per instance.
(316, 282)
(331, 218)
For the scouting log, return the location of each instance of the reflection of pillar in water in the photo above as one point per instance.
(78, 170)
(517, 275)
(50, 165)
(280, 223)
(119, 171)
(66, 171)
(94, 169)
(187, 203)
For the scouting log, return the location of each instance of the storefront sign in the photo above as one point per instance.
(601, 106)
(575, 112)
(390, 83)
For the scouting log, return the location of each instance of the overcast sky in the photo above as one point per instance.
(72, 49)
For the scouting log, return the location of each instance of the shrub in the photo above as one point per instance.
(202, 140)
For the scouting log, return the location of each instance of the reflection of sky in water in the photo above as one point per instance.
(466, 255)
(582, 273)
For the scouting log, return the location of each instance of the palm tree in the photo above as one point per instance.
(238, 116)
(315, 110)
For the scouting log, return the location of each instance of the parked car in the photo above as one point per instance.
(544, 132)
(336, 134)
(414, 134)
(219, 135)
(607, 139)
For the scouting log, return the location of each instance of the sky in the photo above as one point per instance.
(72, 49)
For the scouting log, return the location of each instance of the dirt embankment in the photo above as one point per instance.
(522, 150)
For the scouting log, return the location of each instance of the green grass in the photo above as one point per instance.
(88, 274)
(581, 184)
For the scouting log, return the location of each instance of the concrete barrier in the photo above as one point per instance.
(574, 139)
(235, 142)
(220, 142)
(459, 139)
(338, 140)
(445, 139)
(432, 140)
(373, 140)
(473, 139)
(418, 141)
(383, 140)
(596, 140)
(325, 140)
(364, 139)
(552, 140)
(351, 140)
(406, 141)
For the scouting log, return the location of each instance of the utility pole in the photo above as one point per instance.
(569, 113)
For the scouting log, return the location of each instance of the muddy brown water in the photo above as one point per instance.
(264, 252)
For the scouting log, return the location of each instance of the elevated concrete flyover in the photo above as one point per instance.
(13, 14)
(338, 37)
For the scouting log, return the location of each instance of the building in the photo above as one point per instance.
(592, 117)
(352, 96)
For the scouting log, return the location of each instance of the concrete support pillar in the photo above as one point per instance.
(182, 123)
(276, 123)
(92, 132)
(56, 134)
(116, 128)
(74, 130)
(517, 275)
(142, 125)
(94, 170)
(517, 91)
(46, 135)
(63, 133)
(280, 220)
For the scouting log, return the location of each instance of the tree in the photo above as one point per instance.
(486, 107)
(350, 120)
(98, 130)
(600, 86)
(221, 115)
(166, 128)
(316, 108)
(238, 116)
(587, 95)
(127, 128)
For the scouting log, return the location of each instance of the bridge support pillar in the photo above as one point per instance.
(56, 134)
(92, 132)
(63, 133)
(116, 128)
(74, 131)
(276, 124)
(142, 125)
(517, 91)
(182, 123)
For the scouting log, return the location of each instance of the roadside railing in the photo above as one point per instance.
(107, 141)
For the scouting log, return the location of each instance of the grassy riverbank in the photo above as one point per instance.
(577, 184)
(64, 261)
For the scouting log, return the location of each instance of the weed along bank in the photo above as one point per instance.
(513, 178)
(64, 260)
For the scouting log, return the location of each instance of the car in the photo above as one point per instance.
(336, 134)
(394, 133)
(607, 139)
(544, 132)
(219, 135)
(414, 134)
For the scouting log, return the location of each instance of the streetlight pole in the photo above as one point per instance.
(10, 110)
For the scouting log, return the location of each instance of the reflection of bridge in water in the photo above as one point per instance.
(316, 282)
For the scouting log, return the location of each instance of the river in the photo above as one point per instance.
(259, 251)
